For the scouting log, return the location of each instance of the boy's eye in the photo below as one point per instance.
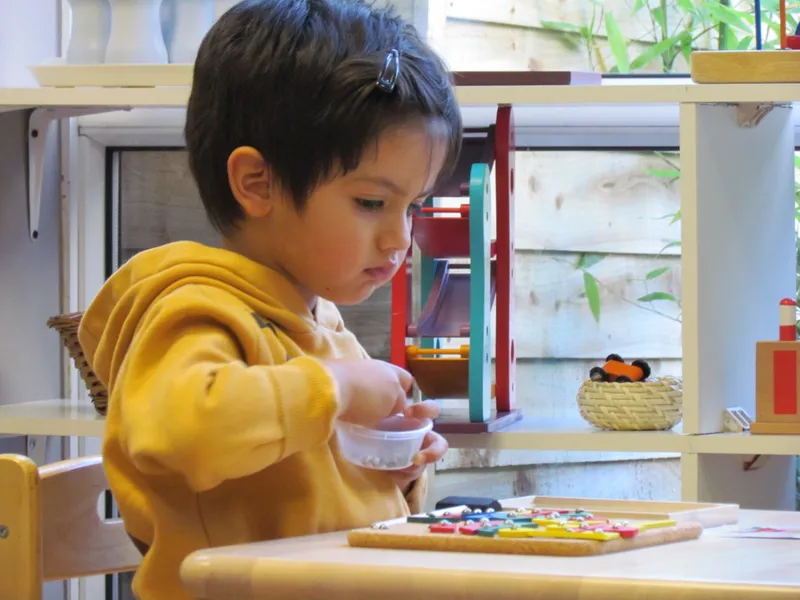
(414, 209)
(370, 204)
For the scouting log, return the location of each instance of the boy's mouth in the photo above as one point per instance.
(382, 273)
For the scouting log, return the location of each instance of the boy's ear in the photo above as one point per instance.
(251, 181)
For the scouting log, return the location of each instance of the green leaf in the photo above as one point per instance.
(592, 294)
(654, 51)
(619, 47)
(671, 173)
(731, 41)
(657, 296)
(588, 260)
(561, 26)
(660, 17)
(670, 245)
(745, 43)
(686, 46)
(725, 14)
(657, 272)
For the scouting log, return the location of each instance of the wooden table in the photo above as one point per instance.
(324, 567)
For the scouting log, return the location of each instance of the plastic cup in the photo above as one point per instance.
(389, 446)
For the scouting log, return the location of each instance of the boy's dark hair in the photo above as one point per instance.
(296, 80)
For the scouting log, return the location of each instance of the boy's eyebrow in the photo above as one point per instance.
(387, 183)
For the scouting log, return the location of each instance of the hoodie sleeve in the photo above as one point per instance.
(201, 393)
(417, 494)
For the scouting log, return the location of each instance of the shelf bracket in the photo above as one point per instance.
(39, 129)
(758, 460)
(37, 449)
(750, 114)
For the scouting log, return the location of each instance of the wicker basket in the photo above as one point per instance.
(67, 327)
(633, 406)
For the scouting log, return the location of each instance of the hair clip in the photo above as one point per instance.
(387, 79)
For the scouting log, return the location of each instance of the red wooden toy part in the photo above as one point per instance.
(625, 532)
(443, 527)
(793, 42)
(451, 515)
(400, 313)
(470, 529)
(784, 373)
(787, 314)
(442, 237)
(505, 163)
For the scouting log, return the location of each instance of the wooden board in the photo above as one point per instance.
(746, 66)
(706, 514)
(415, 536)
(688, 521)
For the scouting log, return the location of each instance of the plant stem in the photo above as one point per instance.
(723, 28)
(623, 298)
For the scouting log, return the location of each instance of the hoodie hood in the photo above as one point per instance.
(109, 324)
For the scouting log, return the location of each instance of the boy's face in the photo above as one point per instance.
(354, 232)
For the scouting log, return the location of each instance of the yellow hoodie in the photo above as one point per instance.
(220, 419)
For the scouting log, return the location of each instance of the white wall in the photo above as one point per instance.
(29, 271)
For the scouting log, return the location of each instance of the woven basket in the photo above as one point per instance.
(632, 406)
(67, 327)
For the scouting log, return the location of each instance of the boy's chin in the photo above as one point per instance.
(351, 296)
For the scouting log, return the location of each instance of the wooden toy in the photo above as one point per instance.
(549, 526)
(615, 369)
(458, 298)
(778, 378)
(781, 65)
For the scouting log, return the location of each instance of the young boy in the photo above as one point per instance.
(314, 129)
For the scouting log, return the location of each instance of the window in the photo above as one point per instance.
(605, 36)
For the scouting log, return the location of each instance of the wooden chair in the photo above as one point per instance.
(50, 529)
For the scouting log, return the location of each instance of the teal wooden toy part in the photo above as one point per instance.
(480, 372)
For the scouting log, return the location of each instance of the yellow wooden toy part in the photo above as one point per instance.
(557, 532)
(656, 524)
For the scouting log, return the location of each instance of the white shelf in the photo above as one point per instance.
(669, 92)
(51, 417)
(743, 443)
(566, 434)
(577, 435)
(67, 418)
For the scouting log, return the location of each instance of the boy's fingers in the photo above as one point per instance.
(428, 409)
(433, 448)
(405, 378)
(400, 405)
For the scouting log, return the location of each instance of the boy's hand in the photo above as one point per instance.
(434, 446)
(370, 390)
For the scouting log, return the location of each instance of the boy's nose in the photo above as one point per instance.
(397, 236)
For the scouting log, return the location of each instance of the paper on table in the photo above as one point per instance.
(774, 533)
